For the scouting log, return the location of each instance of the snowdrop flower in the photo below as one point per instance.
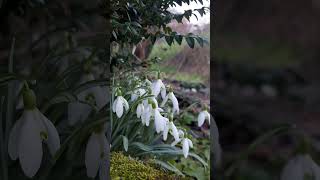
(140, 110)
(97, 94)
(203, 115)
(301, 167)
(186, 144)
(148, 105)
(146, 115)
(170, 127)
(79, 111)
(137, 93)
(177, 140)
(174, 101)
(157, 87)
(118, 106)
(27, 135)
(96, 154)
(159, 120)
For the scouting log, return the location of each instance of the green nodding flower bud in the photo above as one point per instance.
(29, 99)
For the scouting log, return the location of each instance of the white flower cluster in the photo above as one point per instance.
(148, 109)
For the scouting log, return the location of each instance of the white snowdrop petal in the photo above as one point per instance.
(119, 108)
(125, 104)
(14, 138)
(157, 120)
(185, 147)
(30, 147)
(139, 110)
(114, 105)
(163, 93)
(78, 112)
(165, 131)
(174, 102)
(201, 118)
(190, 143)
(174, 131)
(155, 88)
(53, 140)
(92, 155)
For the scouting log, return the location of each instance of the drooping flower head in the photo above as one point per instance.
(120, 104)
(157, 86)
(203, 115)
(174, 101)
(28, 133)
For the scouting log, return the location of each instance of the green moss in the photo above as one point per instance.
(124, 167)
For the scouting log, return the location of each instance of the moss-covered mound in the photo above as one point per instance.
(124, 167)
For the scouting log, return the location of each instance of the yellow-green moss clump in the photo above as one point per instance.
(127, 168)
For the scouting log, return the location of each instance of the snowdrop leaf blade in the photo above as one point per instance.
(92, 156)
(30, 147)
(125, 143)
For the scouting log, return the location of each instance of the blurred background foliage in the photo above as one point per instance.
(266, 74)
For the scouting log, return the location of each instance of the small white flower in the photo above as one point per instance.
(137, 93)
(118, 106)
(301, 167)
(157, 87)
(26, 137)
(203, 115)
(159, 120)
(145, 117)
(177, 140)
(139, 111)
(174, 101)
(186, 144)
(78, 111)
(170, 127)
(98, 93)
(96, 154)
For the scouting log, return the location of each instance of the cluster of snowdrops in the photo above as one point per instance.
(162, 114)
